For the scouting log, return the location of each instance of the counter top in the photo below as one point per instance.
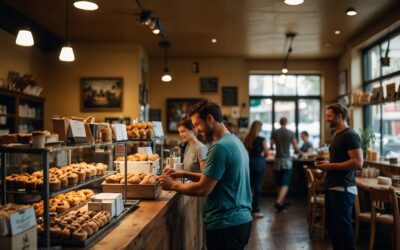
(366, 183)
(382, 163)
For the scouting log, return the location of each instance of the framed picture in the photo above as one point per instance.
(176, 109)
(209, 85)
(114, 120)
(377, 94)
(391, 91)
(101, 94)
(344, 100)
(342, 90)
(230, 96)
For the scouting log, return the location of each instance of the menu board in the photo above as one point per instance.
(209, 85)
(229, 96)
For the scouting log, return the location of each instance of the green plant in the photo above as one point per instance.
(367, 137)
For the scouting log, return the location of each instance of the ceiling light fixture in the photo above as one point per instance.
(214, 40)
(157, 28)
(351, 11)
(289, 37)
(66, 53)
(337, 32)
(147, 18)
(166, 76)
(24, 36)
(86, 4)
(293, 2)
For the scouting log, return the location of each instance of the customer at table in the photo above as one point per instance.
(258, 150)
(283, 138)
(195, 151)
(345, 157)
(307, 147)
(224, 181)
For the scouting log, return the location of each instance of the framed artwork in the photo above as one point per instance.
(230, 96)
(391, 91)
(209, 85)
(114, 120)
(176, 109)
(101, 94)
(342, 89)
(344, 100)
(377, 94)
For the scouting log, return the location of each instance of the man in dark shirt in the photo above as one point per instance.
(345, 157)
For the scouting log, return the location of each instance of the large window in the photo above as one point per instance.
(384, 118)
(296, 97)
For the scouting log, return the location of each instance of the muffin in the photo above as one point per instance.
(72, 178)
(55, 184)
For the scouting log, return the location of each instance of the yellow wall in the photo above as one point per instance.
(230, 72)
(24, 60)
(62, 89)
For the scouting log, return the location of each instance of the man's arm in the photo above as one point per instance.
(182, 174)
(295, 145)
(265, 148)
(355, 162)
(201, 188)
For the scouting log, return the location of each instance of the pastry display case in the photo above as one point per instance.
(60, 179)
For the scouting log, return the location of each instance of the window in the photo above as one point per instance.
(384, 118)
(296, 97)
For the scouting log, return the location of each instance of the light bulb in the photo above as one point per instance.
(293, 2)
(166, 77)
(156, 31)
(67, 54)
(285, 70)
(24, 38)
(351, 11)
(86, 4)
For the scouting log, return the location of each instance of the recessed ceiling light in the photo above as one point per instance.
(86, 4)
(293, 2)
(337, 32)
(350, 11)
(214, 40)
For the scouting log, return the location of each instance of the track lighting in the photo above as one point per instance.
(351, 11)
(156, 28)
(24, 36)
(148, 18)
(86, 4)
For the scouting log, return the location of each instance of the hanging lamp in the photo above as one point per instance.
(66, 53)
(166, 76)
(24, 37)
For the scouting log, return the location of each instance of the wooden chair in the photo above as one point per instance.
(359, 217)
(379, 199)
(316, 203)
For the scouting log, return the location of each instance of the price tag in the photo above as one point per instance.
(158, 129)
(145, 150)
(119, 150)
(77, 129)
(120, 132)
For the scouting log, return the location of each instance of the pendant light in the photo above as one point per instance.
(289, 37)
(86, 4)
(166, 76)
(24, 37)
(351, 11)
(66, 53)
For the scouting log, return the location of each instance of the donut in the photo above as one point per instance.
(79, 234)
(86, 227)
(62, 206)
(88, 193)
(93, 225)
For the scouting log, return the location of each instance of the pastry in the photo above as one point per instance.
(101, 168)
(37, 174)
(89, 230)
(81, 175)
(80, 235)
(65, 233)
(62, 206)
(55, 184)
(72, 178)
(88, 193)
(30, 183)
(134, 180)
(10, 180)
(153, 157)
(20, 182)
(64, 180)
(39, 184)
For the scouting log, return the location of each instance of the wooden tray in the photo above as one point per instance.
(136, 191)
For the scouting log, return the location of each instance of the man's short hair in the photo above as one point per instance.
(283, 121)
(337, 109)
(207, 107)
(304, 133)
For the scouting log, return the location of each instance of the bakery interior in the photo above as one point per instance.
(62, 160)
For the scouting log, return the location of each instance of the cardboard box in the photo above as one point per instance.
(135, 191)
(60, 127)
(18, 221)
(138, 166)
(26, 240)
(111, 202)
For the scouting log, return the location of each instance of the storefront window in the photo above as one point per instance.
(373, 63)
(296, 97)
(391, 129)
(394, 55)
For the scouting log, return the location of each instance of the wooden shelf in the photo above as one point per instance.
(8, 115)
(30, 118)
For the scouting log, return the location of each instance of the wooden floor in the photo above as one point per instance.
(285, 230)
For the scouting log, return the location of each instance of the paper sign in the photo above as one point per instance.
(145, 150)
(119, 150)
(120, 132)
(77, 128)
(158, 129)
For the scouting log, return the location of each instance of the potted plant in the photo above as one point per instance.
(367, 139)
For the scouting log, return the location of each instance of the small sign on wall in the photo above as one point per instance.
(230, 96)
(209, 85)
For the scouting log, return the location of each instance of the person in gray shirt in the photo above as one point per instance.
(283, 138)
(195, 151)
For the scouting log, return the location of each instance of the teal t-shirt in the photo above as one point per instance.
(229, 204)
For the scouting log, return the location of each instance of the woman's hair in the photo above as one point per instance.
(186, 122)
(255, 129)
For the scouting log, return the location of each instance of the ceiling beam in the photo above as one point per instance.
(11, 20)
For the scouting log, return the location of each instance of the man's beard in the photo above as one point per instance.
(208, 133)
(332, 124)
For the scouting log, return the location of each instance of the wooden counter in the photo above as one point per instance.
(385, 168)
(173, 221)
(366, 183)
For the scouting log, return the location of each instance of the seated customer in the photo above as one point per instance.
(307, 147)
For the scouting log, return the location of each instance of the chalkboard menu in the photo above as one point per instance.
(209, 85)
(230, 96)
(243, 122)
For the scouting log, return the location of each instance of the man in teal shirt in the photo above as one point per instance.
(224, 181)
